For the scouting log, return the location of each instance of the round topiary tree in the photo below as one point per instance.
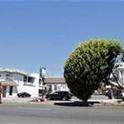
(90, 64)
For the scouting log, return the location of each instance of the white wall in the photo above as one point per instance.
(34, 89)
(21, 85)
(14, 94)
(30, 89)
(59, 87)
(18, 78)
(2, 75)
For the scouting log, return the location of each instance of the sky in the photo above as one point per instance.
(43, 34)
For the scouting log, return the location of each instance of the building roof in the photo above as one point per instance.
(54, 80)
(14, 71)
(8, 83)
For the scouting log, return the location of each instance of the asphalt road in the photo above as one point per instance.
(51, 114)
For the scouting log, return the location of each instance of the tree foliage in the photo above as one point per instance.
(90, 64)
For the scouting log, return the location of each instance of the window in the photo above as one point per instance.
(55, 87)
(30, 79)
(25, 79)
(7, 75)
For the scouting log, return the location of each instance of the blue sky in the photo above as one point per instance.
(35, 34)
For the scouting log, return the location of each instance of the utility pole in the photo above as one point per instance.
(42, 76)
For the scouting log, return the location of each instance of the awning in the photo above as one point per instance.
(8, 83)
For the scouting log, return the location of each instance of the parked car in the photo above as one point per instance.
(59, 95)
(23, 94)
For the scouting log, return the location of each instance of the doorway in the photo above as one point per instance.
(10, 90)
(4, 91)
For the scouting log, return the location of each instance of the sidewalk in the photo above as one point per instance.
(16, 100)
(11, 100)
(97, 100)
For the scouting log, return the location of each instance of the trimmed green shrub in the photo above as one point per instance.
(90, 64)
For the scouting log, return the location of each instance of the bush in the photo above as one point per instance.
(90, 64)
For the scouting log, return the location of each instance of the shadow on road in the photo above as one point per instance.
(76, 104)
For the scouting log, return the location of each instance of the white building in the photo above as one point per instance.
(15, 81)
(120, 73)
(56, 84)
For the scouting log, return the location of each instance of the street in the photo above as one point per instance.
(52, 114)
